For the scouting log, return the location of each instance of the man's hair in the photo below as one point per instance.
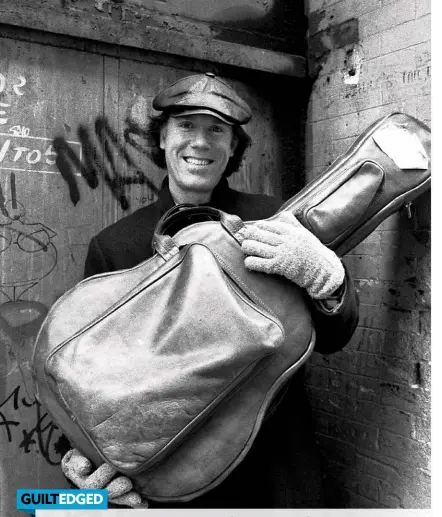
(158, 156)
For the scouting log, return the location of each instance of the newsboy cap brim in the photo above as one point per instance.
(207, 92)
(201, 111)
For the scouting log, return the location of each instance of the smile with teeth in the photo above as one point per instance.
(197, 161)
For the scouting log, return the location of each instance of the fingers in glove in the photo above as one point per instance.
(132, 499)
(258, 249)
(274, 226)
(100, 477)
(253, 232)
(288, 218)
(119, 486)
(76, 467)
(258, 264)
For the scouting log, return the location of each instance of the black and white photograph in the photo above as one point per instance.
(215, 255)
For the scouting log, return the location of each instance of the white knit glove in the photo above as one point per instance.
(77, 468)
(283, 246)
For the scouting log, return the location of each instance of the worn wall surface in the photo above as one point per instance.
(372, 400)
(72, 161)
(267, 35)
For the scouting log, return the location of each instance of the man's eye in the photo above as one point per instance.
(217, 129)
(186, 124)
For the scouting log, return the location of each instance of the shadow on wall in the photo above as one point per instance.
(282, 20)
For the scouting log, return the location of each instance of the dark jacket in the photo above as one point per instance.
(282, 469)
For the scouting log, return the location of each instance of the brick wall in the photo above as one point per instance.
(371, 401)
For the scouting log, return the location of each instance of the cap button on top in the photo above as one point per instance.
(210, 74)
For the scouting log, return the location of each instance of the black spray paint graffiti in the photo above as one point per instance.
(100, 149)
(43, 437)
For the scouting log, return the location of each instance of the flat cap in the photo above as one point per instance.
(204, 93)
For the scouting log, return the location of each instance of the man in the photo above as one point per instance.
(199, 140)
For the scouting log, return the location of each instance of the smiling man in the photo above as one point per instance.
(197, 148)
(199, 140)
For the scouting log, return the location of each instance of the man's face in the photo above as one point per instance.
(198, 148)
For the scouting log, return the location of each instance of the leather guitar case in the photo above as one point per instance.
(166, 370)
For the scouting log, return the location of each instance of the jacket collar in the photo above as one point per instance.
(219, 195)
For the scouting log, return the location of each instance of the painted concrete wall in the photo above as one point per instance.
(372, 400)
(271, 24)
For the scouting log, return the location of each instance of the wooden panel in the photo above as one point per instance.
(44, 229)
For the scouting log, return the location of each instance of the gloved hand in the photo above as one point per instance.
(283, 246)
(77, 468)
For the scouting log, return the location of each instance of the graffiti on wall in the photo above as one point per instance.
(41, 437)
(27, 255)
(24, 244)
(104, 155)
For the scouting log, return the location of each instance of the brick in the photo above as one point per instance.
(390, 500)
(413, 83)
(316, 5)
(333, 36)
(402, 484)
(396, 446)
(399, 371)
(372, 47)
(406, 105)
(421, 500)
(369, 246)
(386, 17)
(423, 7)
(317, 376)
(360, 435)
(369, 365)
(356, 386)
(389, 418)
(425, 375)
(361, 267)
(423, 54)
(339, 12)
(361, 502)
(376, 468)
(337, 450)
(406, 398)
(411, 492)
(367, 340)
(393, 294)
(421, 208)
(406, 345)
(423, 273)
(397, 268)
(343, 361)
(342, 477)
(325, 154)
(382, 417)
(347, 126)
(369, 487)
(332, 403)
(391, 67)
(406, 35)
(421, 429)
(403, 469)
(395, 243)
(388, 318)
(423, 109)
(346, 102)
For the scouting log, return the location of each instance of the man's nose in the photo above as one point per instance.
(200, 140)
